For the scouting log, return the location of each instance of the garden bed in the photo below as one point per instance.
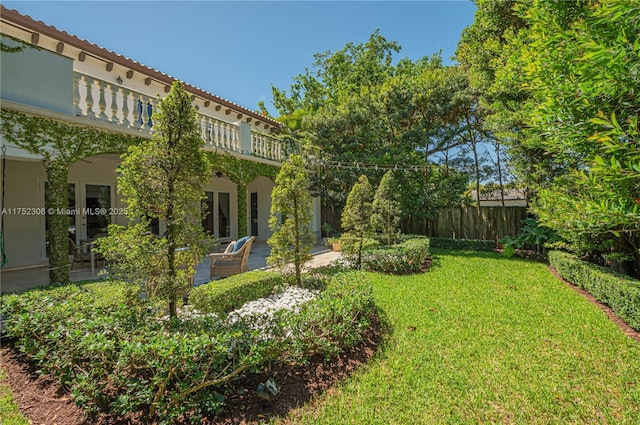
(43, 402)
(126, 361)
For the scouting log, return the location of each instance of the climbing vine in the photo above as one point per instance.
(60, 145)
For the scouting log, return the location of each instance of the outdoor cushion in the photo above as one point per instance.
(230, 248)
(240, 243)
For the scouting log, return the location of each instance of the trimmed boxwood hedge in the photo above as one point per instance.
(463, 244)
(225, 295)
(407, 257)
(620, 292)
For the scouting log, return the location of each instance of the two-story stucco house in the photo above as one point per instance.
(52, 75)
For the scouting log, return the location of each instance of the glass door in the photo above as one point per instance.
(208, 217)
(216, 219)
(254, 214)
(96, 213)
(224, 215)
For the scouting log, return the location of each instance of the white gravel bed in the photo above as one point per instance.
(291, 299)
(257, 314)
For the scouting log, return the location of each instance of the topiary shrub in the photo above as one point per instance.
(620, 292)
(410, 256)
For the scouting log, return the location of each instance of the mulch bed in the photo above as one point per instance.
(43, 402)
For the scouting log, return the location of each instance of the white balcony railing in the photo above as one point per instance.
(118, 105)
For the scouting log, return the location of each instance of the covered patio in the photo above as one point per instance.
(31, 277)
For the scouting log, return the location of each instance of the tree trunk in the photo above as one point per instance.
(499, 165)
(171, 253)
(476, 165)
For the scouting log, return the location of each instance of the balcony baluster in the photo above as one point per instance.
(102, 102)
(114, 105)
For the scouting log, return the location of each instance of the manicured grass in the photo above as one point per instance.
(9, 413)
(485, 339)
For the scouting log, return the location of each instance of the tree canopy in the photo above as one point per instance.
(558, 82)
(355, 106)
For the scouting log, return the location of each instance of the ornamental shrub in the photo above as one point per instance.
(335, 321)
(123, 358)
(350, 243)
(224, 295)
(618, 291)
(407, 257)
(463, 244)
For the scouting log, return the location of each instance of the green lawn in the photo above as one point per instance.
(9, 413)
(484, 339)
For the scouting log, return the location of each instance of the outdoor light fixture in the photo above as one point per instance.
(219, 174)
(119, 80)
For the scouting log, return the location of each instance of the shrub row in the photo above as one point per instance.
(463, 244)
(618, 291)
(225, 295)
(120, 358)
(406, 257)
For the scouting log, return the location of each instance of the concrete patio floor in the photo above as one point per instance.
(27, 278)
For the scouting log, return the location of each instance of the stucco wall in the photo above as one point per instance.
(37, 77)
(24, 230)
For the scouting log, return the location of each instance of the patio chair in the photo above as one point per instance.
(234, 260)
(79, 257)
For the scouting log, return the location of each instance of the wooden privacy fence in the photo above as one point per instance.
(486, 223)
(490, 223)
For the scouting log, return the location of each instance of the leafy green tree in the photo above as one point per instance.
(385, 217)
(291, 214)
(163, 178)
(356, 217)
(558, 82)
(354, 106)
(581, 61)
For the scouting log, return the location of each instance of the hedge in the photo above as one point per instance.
(463, 244)
(406, 257)
(225, 295)
(620, 292)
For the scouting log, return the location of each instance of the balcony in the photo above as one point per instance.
(120, 106)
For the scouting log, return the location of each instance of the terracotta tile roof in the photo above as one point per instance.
(40, 27)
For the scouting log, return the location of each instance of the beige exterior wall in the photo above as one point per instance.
(24, 231)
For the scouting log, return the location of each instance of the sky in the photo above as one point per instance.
(238, 50)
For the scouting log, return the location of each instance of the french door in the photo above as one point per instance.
(217, 216)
